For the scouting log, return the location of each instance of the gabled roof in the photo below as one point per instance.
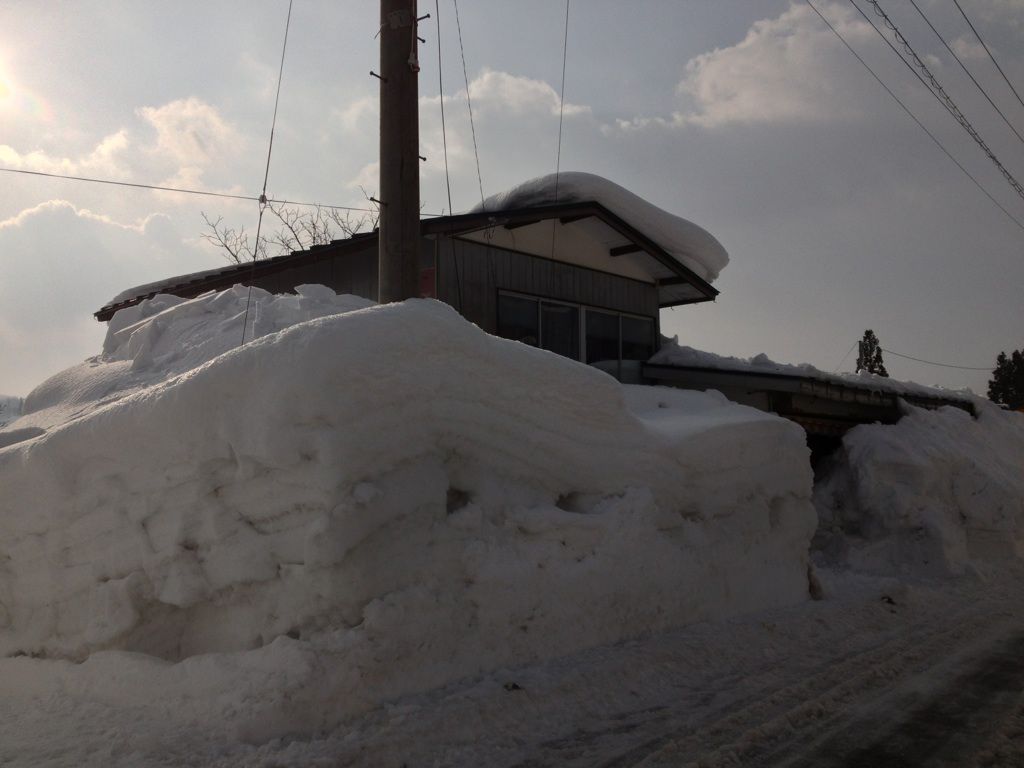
(579, 232)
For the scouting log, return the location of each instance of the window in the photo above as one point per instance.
(637, 338)
(602, 337)
(560, 329)
(518, 319)
(607, 337)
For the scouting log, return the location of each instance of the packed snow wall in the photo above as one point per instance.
(938, 492)
(388, 485)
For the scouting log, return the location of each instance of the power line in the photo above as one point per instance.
(561, 99)
(936, 89)
(941, 365)
(469, 102)
(180, 190)
(440, 88)
(967, 71)
(913, 117)
(836, 369)
(266, 174)
(561, 110)
(444, 143)
(993, 58)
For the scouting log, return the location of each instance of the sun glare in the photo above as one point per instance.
(18, 100)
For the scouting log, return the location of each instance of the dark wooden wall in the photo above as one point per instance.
(473, 287)
(482, 271)
(351, 270)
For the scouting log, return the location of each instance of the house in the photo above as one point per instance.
(582, 272)
(579, 266)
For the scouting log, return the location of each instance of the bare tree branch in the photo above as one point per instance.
(298, 231)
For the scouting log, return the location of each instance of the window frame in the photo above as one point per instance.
(583, 309)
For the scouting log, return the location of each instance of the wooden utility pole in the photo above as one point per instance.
(399, 153)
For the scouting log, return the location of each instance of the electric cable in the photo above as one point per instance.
(936, 89)
(836, 369)
(561, 99)
(967, 71)
(993, 58)
(561, 109)
(941, 365)
(913, 117)
(266, 174)
(469, 103)
(180, 190)
(444, 143)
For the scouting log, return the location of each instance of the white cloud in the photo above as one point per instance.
(60, 263)
(784, 70)
(190, 136)
(107, 159)
(50, 206)
(367, 178)
(789, 69)
(359, 114)
(500, 100)
(503, 92)
(968, 49)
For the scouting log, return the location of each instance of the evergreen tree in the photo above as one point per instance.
(870, 357)
(1007, 383)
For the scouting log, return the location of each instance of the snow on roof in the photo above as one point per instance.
(674, 353)
(692, 245)
(161, 285)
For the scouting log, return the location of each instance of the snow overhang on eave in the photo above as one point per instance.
(582, 233)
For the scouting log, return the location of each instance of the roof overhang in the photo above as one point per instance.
(582, 233)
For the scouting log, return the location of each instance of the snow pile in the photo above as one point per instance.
(937, 492)
(674, 353)
(692, 245)
(10, 409)
(163, 337)
(375, 502)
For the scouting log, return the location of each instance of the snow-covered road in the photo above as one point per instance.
(972, 719)
(878, 671)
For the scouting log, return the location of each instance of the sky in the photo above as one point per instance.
(748, 118)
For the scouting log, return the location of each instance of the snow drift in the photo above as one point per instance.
(692, 245)
(937, 492)
(375, 501)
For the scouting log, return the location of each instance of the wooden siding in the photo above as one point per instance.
(473, 289)
(484, 271)
(351, 271)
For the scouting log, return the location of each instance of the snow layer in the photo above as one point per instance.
(674, 353)
(375, 502)
(159, 285)
(939, 491)
(692, 245)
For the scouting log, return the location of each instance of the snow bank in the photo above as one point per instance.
(10, 409)
(164, 337)
(375, 502)
(674, 353)
(694, 246)
(937, 492)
